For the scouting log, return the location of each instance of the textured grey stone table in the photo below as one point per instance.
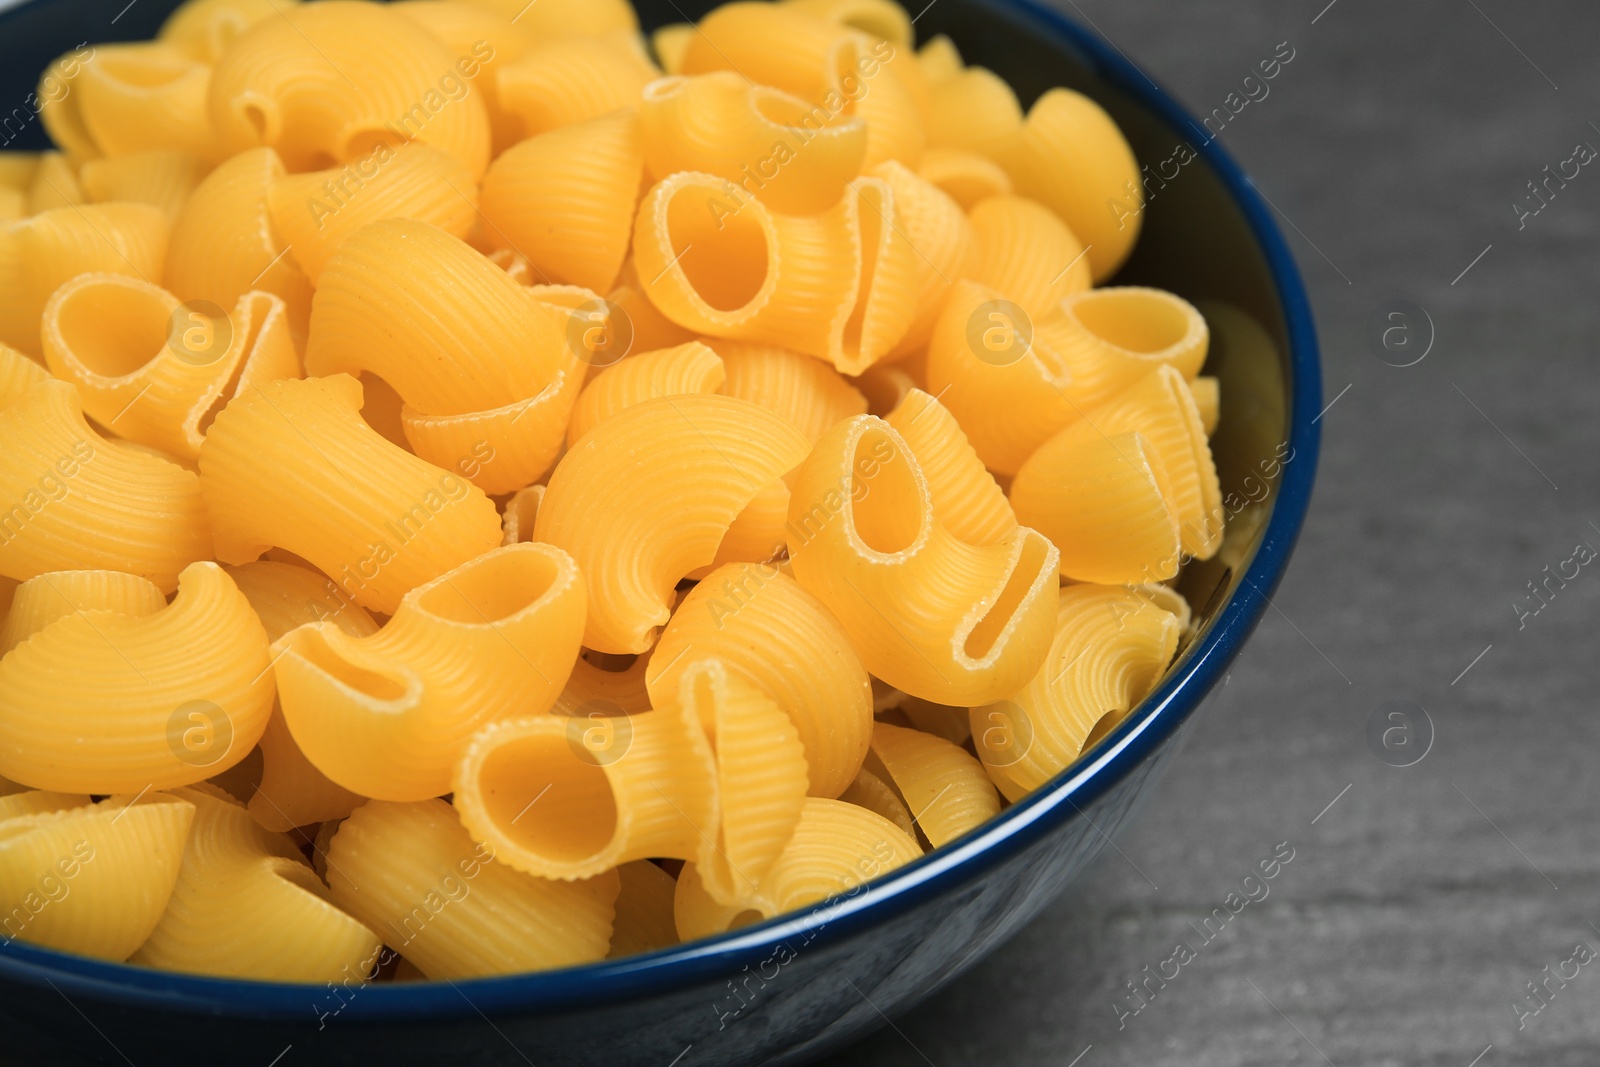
(1420, 903)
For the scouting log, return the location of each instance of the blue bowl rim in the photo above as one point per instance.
(934, 875)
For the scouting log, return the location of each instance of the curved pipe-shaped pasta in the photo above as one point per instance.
(835, 848)
(947, 790)
(74, 500)
(610, 789)
(157, 701)
(474, 32)
(793, 156)
(613, 503)
(1026, 253)
(1071, 157)
(977, 112)
(412, 873)
(966, 497)
(330, 82)
(761, 625)
(610, 685)
(686, 369)
(805, 391)
(1108, 339)
(965, 177)
(163, 178)
(644, 920)
(566, 82)
(929, 614)
(317, 212)
(1110, 648)
(92, 880)
(223, 244)
(565, 199)
(292, 792)
(40, 253)
(942, 243)
(206, 28)
(40, 601)
(233, 875)
(143, 96)
(157, 372)
(290, 464)
(886, 303)
(387, 715)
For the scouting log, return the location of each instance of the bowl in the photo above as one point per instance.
(789, 989)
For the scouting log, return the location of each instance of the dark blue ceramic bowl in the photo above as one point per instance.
(790, 989)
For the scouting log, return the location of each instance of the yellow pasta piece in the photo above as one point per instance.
(40, 253)
(59, 102)
(326, 84)
(519, 513)
(644, 920)
(233, 874)
(163, 178)
(40, 601)
(942, 245)
(95, 879)
(1110, 338)
(881, 18)
(690, 368)
(977, 112)
(139, 97)
(940, 60)
(1208, 399)
(1071, 157)
(794, 156)
(223, 245)
(888, 299)
(154, 371)
(315, 213)
(565, 199)
(646, 327)
(568, 18)
(18, 374)
(55, 184)
(74, 500)
(292, 791)
(1110, 648)
(206, 28)
(414, 876)
(965, 177)
(807, 392)
(383, 409)
(570, 798)
(572, 80)
(387, 715)
(871, 792)
(611, 685)
(669, 43)
(765, 628)
(157, 701)
(290, 464)
(929, 614)
(465, 29)
(885, 386)
(612, 504)
(17, 169)
(965, 496)
(39, 802)
(947, 791)
(1026, 253)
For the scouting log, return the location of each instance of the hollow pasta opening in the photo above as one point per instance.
(1030, 561)
(1141, 322)
(610, 662)
(782, 109)
(886, 506)
(113, 329)
(870, 199)
(491, 589)
(362, 143)
(719, 244)
(544, 798)
(245, 345)
(315, 650)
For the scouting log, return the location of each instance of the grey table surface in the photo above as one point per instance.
(1420, 900)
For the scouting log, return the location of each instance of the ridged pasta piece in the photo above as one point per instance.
(888, 299)
(476, 32)
(234, 875)
(413, 875)
(569, 18)
(142, 97)
(153, 371)
(572, 80)
(291, 464)
(947, 791)
(644, 920)
(55, 184)
(163, 178)
(325, 84)
(977, 112)
(206, 28)
(1110, 338)
(807, 392)
(1111, 646)
(686, 369)
(40, 601)
(612, 503)
(1026, 253)
(873, 793)
(1208, 400)
(965, 496)
(157, 701)
(1103, 501)
(223, 244)
(669, 43)
(565, 199)
(794, 156)
(77, 501)
(58, 107)
(880, 18)
(26, 801)
(765, 628)
(927, 613)
(387, 715)
(1071, 157)
(92, 880)
(317, 212)
(292, 792)
(569, 798)
(40, 253)
(835, 847)
(942, 244)
(18, 374)
(612, 685)
(965, 177)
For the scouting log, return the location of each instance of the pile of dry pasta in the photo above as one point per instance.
(484, 492)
